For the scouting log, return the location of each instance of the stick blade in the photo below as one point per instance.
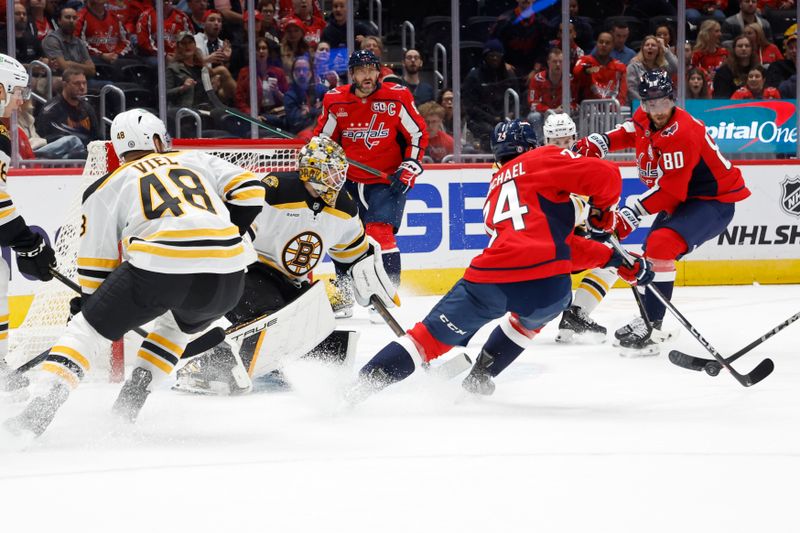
(761, 371)
(687, 361)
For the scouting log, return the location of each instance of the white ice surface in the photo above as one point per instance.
(576, 438)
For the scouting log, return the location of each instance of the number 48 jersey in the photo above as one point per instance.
(678, 162)
(170, 212)
(530, 216)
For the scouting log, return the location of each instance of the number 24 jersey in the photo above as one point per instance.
(530, 217)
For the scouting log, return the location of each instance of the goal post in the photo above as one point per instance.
(47, 316)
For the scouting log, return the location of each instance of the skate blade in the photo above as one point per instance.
(632, 353)
(567, 336)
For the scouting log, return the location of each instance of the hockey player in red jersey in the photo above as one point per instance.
(377, 124)
(692, 189)
(523, 273)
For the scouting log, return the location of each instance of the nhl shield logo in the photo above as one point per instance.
(790, 200)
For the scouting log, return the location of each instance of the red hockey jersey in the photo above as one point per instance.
(678, 162)
(530, 217)
(380, 130)
(146, 30)
(102, 36)
(609, 81)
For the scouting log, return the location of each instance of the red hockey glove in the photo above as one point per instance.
(405, 175)
(639, 273)
(593, 145)
(602, 223)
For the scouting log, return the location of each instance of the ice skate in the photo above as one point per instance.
(218, 372)
(133, 395)
(39, 413)
(479, 380)
(576, 326)
(637, 340)
(341, 300)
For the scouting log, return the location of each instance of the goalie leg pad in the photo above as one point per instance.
(278, 342)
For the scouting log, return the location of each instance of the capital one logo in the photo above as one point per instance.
(367, 134)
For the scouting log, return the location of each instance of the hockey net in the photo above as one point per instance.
(47, 316)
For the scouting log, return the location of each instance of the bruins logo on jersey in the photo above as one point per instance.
(302, 253)
(271, 181)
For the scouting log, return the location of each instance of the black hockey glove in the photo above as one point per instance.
(35, 257)
(75, 306)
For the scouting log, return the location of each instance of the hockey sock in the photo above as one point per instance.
(506, 343)
(655, 309)
(392, 364)
(593, 288)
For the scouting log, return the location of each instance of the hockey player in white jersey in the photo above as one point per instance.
(34, 256)
(306, 214)
(179, 218)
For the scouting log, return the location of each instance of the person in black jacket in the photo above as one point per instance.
(483, 92)
(69, 113)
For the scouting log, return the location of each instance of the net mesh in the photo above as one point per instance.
(47, 317)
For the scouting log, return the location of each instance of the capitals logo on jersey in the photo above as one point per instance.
(669, 130)
(368, 134)
(648, 165)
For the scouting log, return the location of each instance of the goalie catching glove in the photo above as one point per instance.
(593, 145)
(405, 175)
(370, 279)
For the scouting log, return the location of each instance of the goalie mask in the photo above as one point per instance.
(13, 76)
(135, 129)
(323, 165)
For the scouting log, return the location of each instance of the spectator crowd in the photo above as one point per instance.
(734, 52)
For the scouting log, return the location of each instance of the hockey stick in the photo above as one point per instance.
(286, 135)
(712, 367)
(448, 369)
(75, 287)
(760, 372)
(42, 356)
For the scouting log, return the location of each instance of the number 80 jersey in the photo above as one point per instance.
(170, 212)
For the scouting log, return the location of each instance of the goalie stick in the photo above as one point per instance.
(711, 366)
(761, 371)
(448, 369)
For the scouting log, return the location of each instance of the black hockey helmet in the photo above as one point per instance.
(656, 84)
(511, 138)
(361, 58)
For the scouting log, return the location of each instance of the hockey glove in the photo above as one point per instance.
(639, 273)
(405, 175)
(602, 223)
(75, 306)
(370, 279)
(593, 145)
(35, 257)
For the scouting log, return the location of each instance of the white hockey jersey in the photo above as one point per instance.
(169, 213)
(7, 210)
(294, 230)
